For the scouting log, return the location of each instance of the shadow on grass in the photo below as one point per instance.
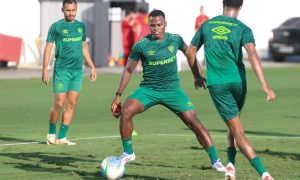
(258, 133)
(283, 155)
(53, 163)
(65, 164)
(10, 139)
(129, 176)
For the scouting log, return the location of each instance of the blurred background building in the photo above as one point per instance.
(29, 21)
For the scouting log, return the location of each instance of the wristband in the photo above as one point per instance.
(118, 94)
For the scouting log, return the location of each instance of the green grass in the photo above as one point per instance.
(273, 129)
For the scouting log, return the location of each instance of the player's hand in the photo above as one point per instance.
(270, 94)
(93, 75)
(200, 82)
(45, 77)
(116, 110)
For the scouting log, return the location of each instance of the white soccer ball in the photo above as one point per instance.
(112, 168)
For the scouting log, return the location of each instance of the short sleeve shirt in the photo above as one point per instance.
(223, 38)
(68, 38)
(158, 60)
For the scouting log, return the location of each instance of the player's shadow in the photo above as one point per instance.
(260, 133)
(283, 155)
(131, 176)
(10, 139)
(54, 163)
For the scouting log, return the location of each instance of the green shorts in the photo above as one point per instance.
(175, 100)
(228, 98)
(67, 80)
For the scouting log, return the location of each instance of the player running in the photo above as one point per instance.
(223, 38)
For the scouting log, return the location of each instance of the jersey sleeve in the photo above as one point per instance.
(51, 34)
(180, 42)
(135, 52)
(248, 36)
(197, 39)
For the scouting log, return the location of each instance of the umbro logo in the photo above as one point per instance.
(221, 30)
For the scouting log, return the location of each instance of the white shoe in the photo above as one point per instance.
(125, 158)
(266, 176)
(65, 141)
(51, 138)
(230, 172)
(218, 166)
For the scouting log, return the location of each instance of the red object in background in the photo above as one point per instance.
(10, 48)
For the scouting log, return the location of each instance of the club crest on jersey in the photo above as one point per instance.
(79, 30)
(60, 86)
(190, 104)
(171, 48)
(65, 31)
(151, 53)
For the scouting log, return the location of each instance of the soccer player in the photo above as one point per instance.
(157, 51)
(69, 37)
(223, 38)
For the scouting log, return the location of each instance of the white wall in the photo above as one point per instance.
(20, 18)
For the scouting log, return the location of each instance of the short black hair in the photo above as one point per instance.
(142, 10)
(233, 3)
(157, 12)
(69, 2)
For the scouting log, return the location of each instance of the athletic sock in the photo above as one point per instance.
(257, 164)
(212, 153)
(52, 128)
(127, 145)
(231, 152)
(62, 131)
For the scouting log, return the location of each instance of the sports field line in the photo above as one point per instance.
(169, 135)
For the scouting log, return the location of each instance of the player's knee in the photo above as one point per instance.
(58, 106)
(126, 112)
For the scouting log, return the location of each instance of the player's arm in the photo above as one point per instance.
(190, 54)
(46, 60)
(126, 75)
(257, 67)
(88, 59)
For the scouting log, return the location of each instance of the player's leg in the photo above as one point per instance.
(180, 104)
(60, 86)
(73, 83)
(55, 111)
(226, 103)
(140, 100)
(71, 100)
(237, 130)
(129, 110)
(191, 120)
(231, 153)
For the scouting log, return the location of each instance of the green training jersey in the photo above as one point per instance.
(68, 38)
(158, 60)
(223, 38)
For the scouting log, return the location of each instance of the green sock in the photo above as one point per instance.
(62, 131)
(231, 152)
(212, 153)
(257, 164)
(52, 128)
(127, 145)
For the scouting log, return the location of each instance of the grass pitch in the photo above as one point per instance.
(165, 148)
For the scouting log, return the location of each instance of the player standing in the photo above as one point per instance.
(69, 37)
(157, 52)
